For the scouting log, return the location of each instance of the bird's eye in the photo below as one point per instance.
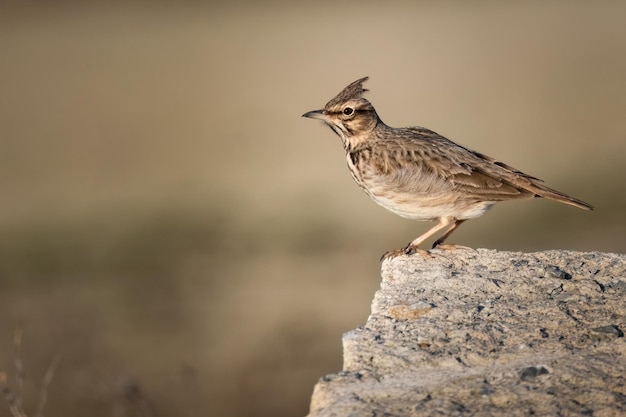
(348, 111)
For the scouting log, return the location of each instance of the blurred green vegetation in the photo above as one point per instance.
(190, 246)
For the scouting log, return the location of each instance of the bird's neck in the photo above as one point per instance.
(358, 138)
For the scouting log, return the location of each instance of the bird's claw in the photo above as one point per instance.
(408, 250)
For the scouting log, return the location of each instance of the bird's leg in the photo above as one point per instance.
(413, 247)
(439, 242)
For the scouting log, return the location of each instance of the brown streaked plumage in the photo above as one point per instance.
(419, 174)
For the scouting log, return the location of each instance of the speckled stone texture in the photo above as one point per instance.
(487, 333)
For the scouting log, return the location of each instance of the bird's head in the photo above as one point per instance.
(348, 114)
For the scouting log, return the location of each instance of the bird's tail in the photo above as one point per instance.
(541, 190)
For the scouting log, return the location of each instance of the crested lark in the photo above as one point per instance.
(420, 175)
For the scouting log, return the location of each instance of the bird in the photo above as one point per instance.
(419, 174)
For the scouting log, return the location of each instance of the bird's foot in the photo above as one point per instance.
(407, 250)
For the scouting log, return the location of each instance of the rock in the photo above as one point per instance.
(487, 333)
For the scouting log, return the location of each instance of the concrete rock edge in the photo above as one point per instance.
(487, 333)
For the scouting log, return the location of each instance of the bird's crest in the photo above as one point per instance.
(353, 91)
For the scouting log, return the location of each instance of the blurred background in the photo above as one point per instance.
(189, 245)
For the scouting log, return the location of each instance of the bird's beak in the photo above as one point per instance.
(316, 114)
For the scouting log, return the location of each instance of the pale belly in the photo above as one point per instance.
(430, 207)
(419, 197)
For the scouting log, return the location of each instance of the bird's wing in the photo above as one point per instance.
(423, 156)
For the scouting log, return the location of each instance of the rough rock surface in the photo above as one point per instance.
(487, 333)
